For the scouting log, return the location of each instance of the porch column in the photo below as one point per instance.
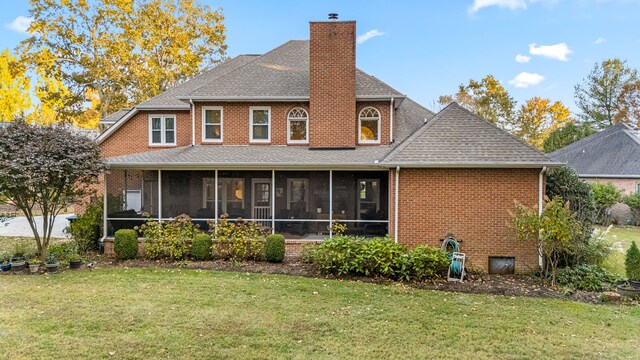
(330, 204)
(104, 208)
(159, 195)
(215, 196)
(273, 201)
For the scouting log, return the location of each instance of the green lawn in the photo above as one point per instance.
(621, 237)
(152, 313)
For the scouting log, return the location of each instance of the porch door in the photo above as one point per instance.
(261, 200)
(368, 198)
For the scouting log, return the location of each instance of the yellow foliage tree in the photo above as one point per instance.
(537, 118)
(14, 87)
(122, 51)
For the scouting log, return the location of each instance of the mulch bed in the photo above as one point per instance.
(507, 285)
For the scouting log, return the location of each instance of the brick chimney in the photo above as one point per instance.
(332, 82)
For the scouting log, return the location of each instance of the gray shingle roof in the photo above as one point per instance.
(115, 116)
(170, 97)
(257, 156)
(281, 73)
(457, 137)
(614, 152)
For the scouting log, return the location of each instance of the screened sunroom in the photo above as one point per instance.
(298, 204)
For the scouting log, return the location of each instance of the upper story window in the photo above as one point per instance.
(260, 124)
(297, 126)
(212, 124)
(162, 130)
(369, 125)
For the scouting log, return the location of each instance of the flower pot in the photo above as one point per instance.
(51, 268)
(18, 265)
(75, 264)
(628, 290)
(634, 283)
(5, 267)
(34, 268)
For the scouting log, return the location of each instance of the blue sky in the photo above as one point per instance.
(427, 48)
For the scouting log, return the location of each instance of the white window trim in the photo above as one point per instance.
(306, 120)
(204, 118)
(163, 132)
(205, 182)
(251, 139)
(638, 187)
(222, 193)
(306, 192)
(360, 118)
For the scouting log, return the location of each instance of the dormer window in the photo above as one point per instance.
(260, 124)
(369, 126)
(298, 126)
(162, 130)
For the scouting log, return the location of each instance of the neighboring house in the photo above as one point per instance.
(299, 137)
(612, 155)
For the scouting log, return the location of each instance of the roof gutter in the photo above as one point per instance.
(471, 165)
(399, 98)
(609, 176)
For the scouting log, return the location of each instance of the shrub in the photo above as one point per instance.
(201, 247)
(556, 232)
(633, 202)
(87, 228)
(239, 240)
(426, 262)
(585, 277)
(62, 251)
(380, 256)
(274, 248)
(632, 262)
(168, 240)
(125, 244)
(604, 197)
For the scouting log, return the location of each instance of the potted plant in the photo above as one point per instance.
(5, 265)
(18, 262)
(34, 264)
(629, 289)
(75, 262)
(52, 263)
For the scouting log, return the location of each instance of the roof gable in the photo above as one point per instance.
(613, 152)
(457, 137)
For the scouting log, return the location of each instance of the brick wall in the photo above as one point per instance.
(332, 83)
(471, 204)
(133, 136)
(626, 185)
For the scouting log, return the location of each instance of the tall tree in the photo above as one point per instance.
(46, 168)
(600, 96)
(487, 98)
(537, 118)
(14, 87)
(567, 134)
(122, 50)
(629, 100)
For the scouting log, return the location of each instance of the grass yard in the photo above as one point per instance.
(621, 237)
(152, 313)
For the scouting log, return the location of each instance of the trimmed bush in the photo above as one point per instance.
(125, 244)
(604, 197)
(274, 248)
(632, 262)
(347, 255)
(585, 277)
(238, 241)
(201, 247)
(168, 240)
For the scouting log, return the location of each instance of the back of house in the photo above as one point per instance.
(299, 138)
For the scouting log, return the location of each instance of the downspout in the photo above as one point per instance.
(193, 124)
(391, 122)
(395, 211)
(540, 205)
(104, 212)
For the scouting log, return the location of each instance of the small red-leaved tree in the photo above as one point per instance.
(47, 169)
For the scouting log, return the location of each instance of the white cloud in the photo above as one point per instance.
(522, 58)
(557, 51)
(20, 24)
(510, 4)
(525, 79)
(368, 35)
(600, 40)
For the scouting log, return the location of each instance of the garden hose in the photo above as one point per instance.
(456, 266)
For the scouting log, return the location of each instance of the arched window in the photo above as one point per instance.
(369, 125)
(298, 126)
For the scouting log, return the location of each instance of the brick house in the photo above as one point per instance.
(299, 137)
(610, 156)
